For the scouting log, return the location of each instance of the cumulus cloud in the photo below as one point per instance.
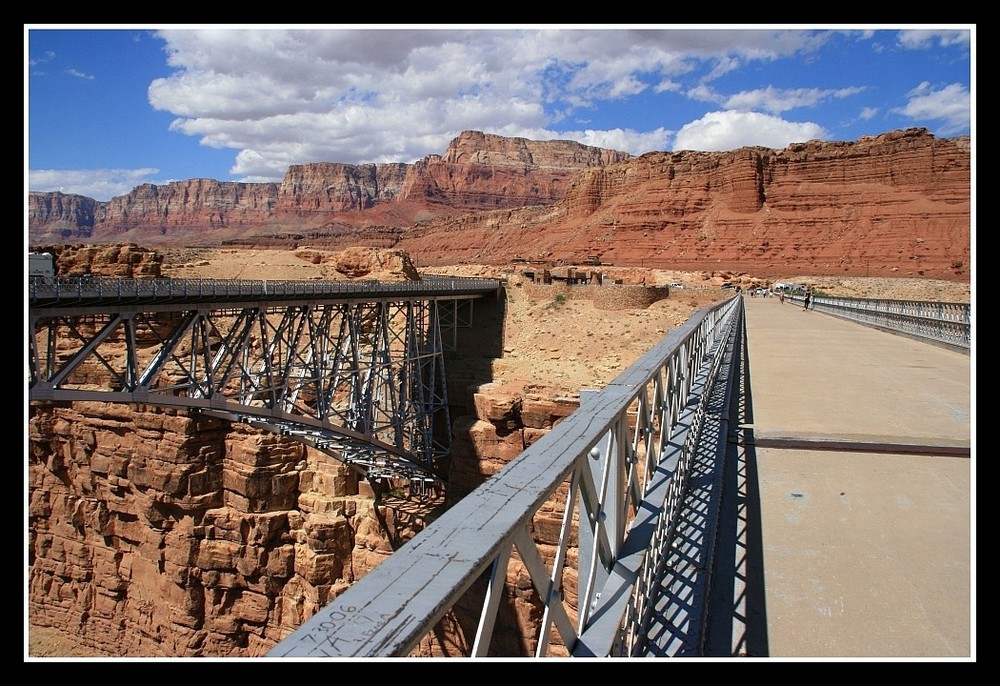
(99, 184)
(619, 139)
(282, 97)
(920, 39)
(720, 131)
(777, 100)
(951, 105)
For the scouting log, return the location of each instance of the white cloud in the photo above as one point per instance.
(777, 100)
(919, 39)
(48, 56)
(868, 113)
(99, 184)
(949, 104)
(281, 97)
(632, 142)
(720, 131)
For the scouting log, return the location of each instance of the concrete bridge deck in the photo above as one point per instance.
(864, 448)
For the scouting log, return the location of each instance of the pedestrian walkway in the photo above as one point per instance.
(863, 443)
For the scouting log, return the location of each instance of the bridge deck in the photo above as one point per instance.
(861, 443)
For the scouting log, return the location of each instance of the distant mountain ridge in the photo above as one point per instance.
(898, 203)
(478, 171)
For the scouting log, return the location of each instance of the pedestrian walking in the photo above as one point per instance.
(808, 299)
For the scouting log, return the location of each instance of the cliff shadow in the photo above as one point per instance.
(473, 337)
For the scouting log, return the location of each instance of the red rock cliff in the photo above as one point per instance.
(478, 171)
(895, 204)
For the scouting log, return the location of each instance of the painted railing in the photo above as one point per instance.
(572, 533)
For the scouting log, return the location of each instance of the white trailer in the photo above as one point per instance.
(41, 265)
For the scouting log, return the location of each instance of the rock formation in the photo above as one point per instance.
(115, 261)
(154, 534)
(896, 204)
(892, 205)
(478, 171)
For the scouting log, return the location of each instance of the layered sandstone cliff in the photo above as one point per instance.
(154, 534)
(58, 216)
(116, 261)
(896, 204)
(478, 171)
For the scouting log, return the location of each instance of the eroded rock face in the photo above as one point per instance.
(365, 263)
(117, 261)
(897, 204)
(478, 171)
(59, 216)
(153, 534)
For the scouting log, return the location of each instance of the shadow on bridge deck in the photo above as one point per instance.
(860, 444)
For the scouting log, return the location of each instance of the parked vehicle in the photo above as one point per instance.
(41, 265)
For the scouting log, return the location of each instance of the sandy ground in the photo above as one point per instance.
(564, 345)
(568, 344)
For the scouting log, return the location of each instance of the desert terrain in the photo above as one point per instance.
(560, 344)
(563, 344)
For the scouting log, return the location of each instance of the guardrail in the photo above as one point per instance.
(947, 324)
(584, 517)
(68, 291)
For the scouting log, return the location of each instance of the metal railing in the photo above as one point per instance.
(69, 291)
(353, 369)
(576, 528)
(948, 324)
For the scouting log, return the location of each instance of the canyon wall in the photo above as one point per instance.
(896, 204)
(156, 534)
(478, 171)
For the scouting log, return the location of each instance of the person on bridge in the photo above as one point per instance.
(809, 295)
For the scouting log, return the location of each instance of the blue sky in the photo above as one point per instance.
(108, 108)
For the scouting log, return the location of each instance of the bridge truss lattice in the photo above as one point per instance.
(363, 381)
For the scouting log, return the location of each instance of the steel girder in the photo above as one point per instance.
(361, 381)
(587, 515)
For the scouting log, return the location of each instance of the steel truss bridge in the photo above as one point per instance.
(353, 369)
(609, 523)
(627, 522)
(622, 496)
